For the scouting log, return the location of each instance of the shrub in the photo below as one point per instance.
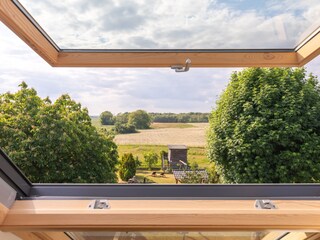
(138, 162)
(121, 128)
(151, 159)
(127, 167)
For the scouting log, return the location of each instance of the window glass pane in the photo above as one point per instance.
(185, 235)
(180, 24)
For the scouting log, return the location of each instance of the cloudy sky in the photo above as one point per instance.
(115, 25)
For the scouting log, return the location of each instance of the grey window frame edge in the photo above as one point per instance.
(26, 190)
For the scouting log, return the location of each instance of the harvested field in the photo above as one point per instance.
(193, 135)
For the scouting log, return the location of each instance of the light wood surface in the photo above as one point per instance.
(161, 59)
(3, 213)
(309, 51)
(162, 215)
(21, 26)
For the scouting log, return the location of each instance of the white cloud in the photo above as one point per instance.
(115, 89)
(184, 24)
(124, 89)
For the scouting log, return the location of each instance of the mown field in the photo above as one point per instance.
(156, 140)
(167, 133)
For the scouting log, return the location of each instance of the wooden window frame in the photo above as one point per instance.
(50, 219)
(12, 16)
(161, 215)
(38, 219)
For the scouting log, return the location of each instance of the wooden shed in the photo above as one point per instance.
(177, 155)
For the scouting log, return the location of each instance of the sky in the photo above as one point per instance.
(128, 89)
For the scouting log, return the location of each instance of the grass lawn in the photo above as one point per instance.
(195, 154)
(166, 179)
(96, 123)
(171, 125)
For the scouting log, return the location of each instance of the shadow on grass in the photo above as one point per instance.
(144, 178)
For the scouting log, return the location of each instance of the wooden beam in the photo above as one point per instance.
(168, 59)
(269, 236)
(3, 213)
(309, 50)
(169, 215)
(11, 16)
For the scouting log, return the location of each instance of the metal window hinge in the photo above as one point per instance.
(99, 204)
(264, 204)
(181, 68)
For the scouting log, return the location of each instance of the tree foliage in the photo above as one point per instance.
(151, 159)
(106, 118)
(192, 174)
(54, 142)
(127, 167)
(122, 128)
(266, 127)
(122, 118)
(140, 119)
(191, 117)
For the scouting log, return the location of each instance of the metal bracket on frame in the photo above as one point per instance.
(181, 68)
(99, 204)
(264, 204)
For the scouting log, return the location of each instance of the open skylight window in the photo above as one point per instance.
(182, 24)
(161, 33)
(74, 209)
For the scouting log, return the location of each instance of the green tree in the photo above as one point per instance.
(140, 119)
(266, 127)
(127, 167)
(151, 159)
(54, 142)
(122, 118)
(124, 128)
(106, 118)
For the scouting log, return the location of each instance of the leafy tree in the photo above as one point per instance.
(127, 167)
(140, 119)
(54, 142)
(191, 117)
(122, 118)
(124, 128)
(266, 127)
(151, 158)
(106, 118)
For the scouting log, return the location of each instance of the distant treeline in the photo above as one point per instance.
(191, 117)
